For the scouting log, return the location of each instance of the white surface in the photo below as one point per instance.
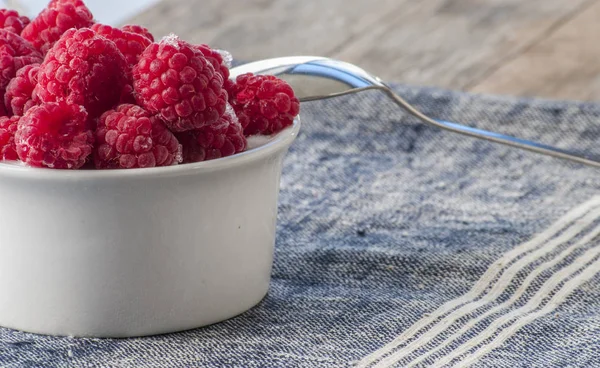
(121, 253)
(112, 12)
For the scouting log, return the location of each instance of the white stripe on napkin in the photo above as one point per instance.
(496, 279)
(586, 275)
(542, 292)
(557, 283)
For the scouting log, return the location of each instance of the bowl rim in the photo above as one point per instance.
(279, 142)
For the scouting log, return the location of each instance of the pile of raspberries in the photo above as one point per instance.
(79, 94)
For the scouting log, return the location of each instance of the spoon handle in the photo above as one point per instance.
(317, 78)
(507, 140)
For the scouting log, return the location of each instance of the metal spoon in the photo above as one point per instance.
(317, 78)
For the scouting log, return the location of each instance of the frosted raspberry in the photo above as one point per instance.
(15, 53)
(8, 128)
(264, 104)
(216, 60)
(10, 20)
(130, 44)
(83, 68)
(176, 81)
(134, 28)
(224, 138)
(130, 137)
(19, 96)
(56, 19)
(54, 135)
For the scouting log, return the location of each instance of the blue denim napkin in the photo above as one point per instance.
(403, 245)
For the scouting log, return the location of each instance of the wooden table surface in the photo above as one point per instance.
(545, 48)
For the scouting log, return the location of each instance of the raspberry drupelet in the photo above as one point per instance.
(134, 28)
(55, 135)
(130, 44)
(83, 68)
(15, 53)
(54, 20)
(176, 81)
(130, 137)
(10, 20)
(8, 128)
(224, 138)
(216, 60)
(20, 96)
(264, 104)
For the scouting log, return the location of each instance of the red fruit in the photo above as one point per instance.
(134, 28)
(224, 138)
(83, 68)
(55, 135)
(130, 44)
(15, 53)
(130, 137)
(8, 128)
(56, 19)
(19, 96)
(216, 60)
(264, 104)
(10, 20)
(176, 81)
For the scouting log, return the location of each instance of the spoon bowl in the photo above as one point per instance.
(316, 78)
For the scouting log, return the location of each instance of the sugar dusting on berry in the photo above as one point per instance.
(171, 39)
(227, 57)
(229, 110)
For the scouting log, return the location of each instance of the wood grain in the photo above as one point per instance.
(454, 43)
(525, 47)
(565, 65)
(255, 29)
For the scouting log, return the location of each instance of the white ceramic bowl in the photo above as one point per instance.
(138, 252)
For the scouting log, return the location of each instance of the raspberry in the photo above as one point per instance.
(55, 135)
(8, 128)
(19, 96)
(83, 68)
(53, 21)
(216, 60)
(129, 137)
(130, 44)
(224, 138)
(264, 104)
(134, 28)
(15, 53)
(12, 21)
(176, 81)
